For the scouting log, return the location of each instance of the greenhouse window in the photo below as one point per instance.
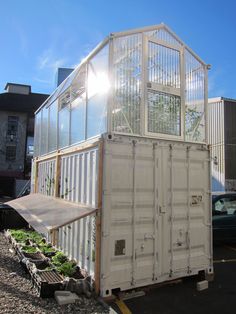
(52, 132)
(97, 89)
(78, 106)
(64, 100)
(164, 113)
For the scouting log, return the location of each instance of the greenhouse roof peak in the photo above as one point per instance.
(160, 33)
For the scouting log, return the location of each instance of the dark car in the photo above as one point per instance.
(224, 217)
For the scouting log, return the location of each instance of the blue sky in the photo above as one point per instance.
(38, 36)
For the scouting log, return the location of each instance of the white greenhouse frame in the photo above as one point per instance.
(171, 42)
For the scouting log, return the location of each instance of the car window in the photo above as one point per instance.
(226, 206)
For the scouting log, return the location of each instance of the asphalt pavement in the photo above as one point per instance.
(183, 297)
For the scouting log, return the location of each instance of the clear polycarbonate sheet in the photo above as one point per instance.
(163, 65)
(64, 126)
(164, 35)
(77, 121)
(78, 85)
(163, 113)
(61, 88)
(64, 99)
(37, 134)
(195, 99)
(97, 112)
(127, 56)
(52, 132)
(130, 74)
(66, 84)
(97, 93)
(44, 131)
(78, 106)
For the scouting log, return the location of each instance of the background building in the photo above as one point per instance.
(62, 74)
(222, 138)
(17, 107)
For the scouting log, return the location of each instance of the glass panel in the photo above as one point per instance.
(98, 87)
(52, 134)
(44, 131)
(64, 99)
(64, 126)
(97, 112)
(164, 35)
(163, 113)
(12, 126)
(225, 206)
(37, 136)
(127, 84)
(163, 65)
(62, 87)
(194, 102)
(10, 152)
(78, 106)
(78, 112)
(67, 82)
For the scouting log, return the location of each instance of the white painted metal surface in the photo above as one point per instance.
(78, 184)
(156, 212)
(78, 180)
(77, 240)
(46, 177)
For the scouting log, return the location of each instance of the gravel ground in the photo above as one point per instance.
(18, 296)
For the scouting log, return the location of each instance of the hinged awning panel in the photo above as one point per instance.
(45, 213)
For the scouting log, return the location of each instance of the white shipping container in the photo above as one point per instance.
(153, 198)
(156, 214)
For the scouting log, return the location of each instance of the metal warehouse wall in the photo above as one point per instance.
(216, 140)
(230, 144)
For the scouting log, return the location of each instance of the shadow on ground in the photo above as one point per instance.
(183, 298)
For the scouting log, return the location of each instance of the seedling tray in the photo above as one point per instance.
(47, 282)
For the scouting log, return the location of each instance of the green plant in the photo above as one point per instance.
(59, 259)
(35, 237)
(29, 249)
(21, 235)
(46, 249)
(67, 269)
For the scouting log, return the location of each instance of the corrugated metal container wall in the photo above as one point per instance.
(156, 222)
(216, 138)
(78, 180)
(77, 240)
(46, 177)
(78, 184)
(33, 174)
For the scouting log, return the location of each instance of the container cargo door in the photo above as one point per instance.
(129, 233)
(184, 211)
(156, 212)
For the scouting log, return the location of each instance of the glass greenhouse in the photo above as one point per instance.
(145, 82)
